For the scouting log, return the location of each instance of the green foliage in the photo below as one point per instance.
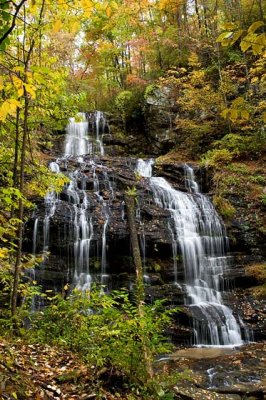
(5, 18)
(132, 191)
(106, 330)
(150, 90)
(263, 199)
(217, 158)
(234, 146)
(258, 271)
(239, 168)
(43, 180)
(27, 289)
(157, 267)
(224, 207)
(128, 104)
(261, 180)
(123, 101)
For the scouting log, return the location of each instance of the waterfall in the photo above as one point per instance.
(77, 139)
(82, 148)
(84, 136)
(143, 168)
(199, 234)
(73, 228)
(50, 202)
(100, 123)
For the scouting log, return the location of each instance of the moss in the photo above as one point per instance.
(261, 180)
(263, 199)
(260, 291)
(157, 267)
(175, 155)
(240, 168)
(217, 158)
(150, 90)
(224, 207)
(258, 271)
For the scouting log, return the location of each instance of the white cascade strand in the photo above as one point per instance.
(199, 234)
(85, 136)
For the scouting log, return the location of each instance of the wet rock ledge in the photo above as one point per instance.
(224, 374)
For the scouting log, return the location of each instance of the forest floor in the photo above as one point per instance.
(33, 371)
(36, 372)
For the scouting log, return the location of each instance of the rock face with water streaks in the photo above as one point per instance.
(85, 228)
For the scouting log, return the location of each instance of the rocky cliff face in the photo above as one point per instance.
(114, 176)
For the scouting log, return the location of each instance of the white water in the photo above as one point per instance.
(50, 201)
(144, 168)
(77, 139)
(100, 123)
(85, 137)
(199, 235)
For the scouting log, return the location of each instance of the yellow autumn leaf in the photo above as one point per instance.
(87, 7)
(255, 26)
(224, 35)
(224, 113)
(114, 5)
(18, 68)
(33, 8)
(264, 117)
(9, 107)
(229, 25)
(108, 12)
(74, 27)
(247, 41)
(1, 83)
(18, 83)
(238, 101)
(57, 26)
(31, 89)
(3, 252)
(244, 114)
(233, 114)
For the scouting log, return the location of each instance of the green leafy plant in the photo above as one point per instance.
(217, 158)
(105, 329)
(224, 207)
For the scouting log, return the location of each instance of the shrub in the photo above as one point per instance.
(105, 329)
(224, 207)
(217, 158)
(129, 104)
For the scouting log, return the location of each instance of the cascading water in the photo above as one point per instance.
(83, 137)
(77, 139)
(50, 201)
(74, 228)
(143, 168)
(199, 234)
(80, 141)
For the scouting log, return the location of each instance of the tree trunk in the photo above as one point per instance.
(130, 203)
(197, 12)
(17, 267)
(140, 292)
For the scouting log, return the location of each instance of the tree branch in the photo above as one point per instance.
(10, 29)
